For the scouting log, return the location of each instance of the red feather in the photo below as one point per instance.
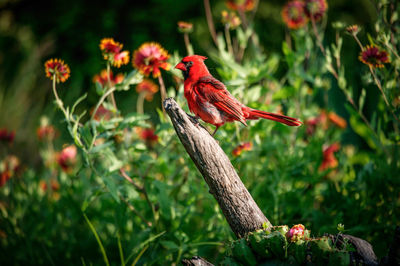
(209, 99)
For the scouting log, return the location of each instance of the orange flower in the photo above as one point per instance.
(56, 68)
(185, 27)
(337, 120)
(55, 186)
(246, 146)
(149, 58)
(245, 5)
(67, 158)
(293, 14)
(315, 8)
(329, 160)
(148, 87)
(231, 19)
(103, 79)
(372, 56)
(112, 52)
(353, 29)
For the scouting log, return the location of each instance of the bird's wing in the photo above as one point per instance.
(215, 92)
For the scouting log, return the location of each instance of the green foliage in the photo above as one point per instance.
(130, 197)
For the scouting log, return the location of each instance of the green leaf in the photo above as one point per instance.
(169, 245)
(103, 251)
(111, 186)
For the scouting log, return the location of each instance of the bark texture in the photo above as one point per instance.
(236, 203)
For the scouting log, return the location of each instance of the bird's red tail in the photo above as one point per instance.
(287, 120)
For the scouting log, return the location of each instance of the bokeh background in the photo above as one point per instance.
(281, 169)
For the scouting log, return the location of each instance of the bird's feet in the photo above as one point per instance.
(195, 120)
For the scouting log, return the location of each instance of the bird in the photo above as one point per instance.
(209, 99)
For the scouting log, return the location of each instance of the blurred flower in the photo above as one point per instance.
(185, 27)
(4, 177)
(149, 58)
(245, 5)
(54, 185)
(58, 69)
(295, 233)
(47, 132)
(293, 14)
(8, 167)
(148, 135)
(102, 78)
(337, 120)
(230, 19)
(7, 136)
(67, 158)
(353, 29)
(315, 9)
(246, 146)
(372, 56)
(329, 160)
(112, 52)
(325, 119)
(148, 87)
(102, 113)
(311, 125)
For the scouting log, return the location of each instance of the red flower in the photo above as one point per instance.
(112, 52)
(102, 113)
(372, 56)
(103, 79)
(67, 158)
(46, 132)
(7, 136)
(8, 167)
(315, 9)
(149, 58)
(245, 5)
(293, 14)
(148, 135)
(329, 160)
(295, 233)
(148, 87)
(246, 146)
(56, 68)
(185, 27)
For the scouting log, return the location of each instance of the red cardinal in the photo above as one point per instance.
(209, 99)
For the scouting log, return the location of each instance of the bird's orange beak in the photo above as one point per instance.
(181, 66)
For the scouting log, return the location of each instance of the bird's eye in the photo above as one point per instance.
(188, 64)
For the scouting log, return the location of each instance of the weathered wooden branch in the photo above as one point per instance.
(238, 206)
(236, 203)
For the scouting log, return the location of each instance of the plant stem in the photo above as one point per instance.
(319, 42)
(210, 21)
(130, 206)
(101, 101)
(163, 91)
(140, 102)
(228, 39)
(189, 48)
(112, 99)
(379, 85)
(58, 100)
